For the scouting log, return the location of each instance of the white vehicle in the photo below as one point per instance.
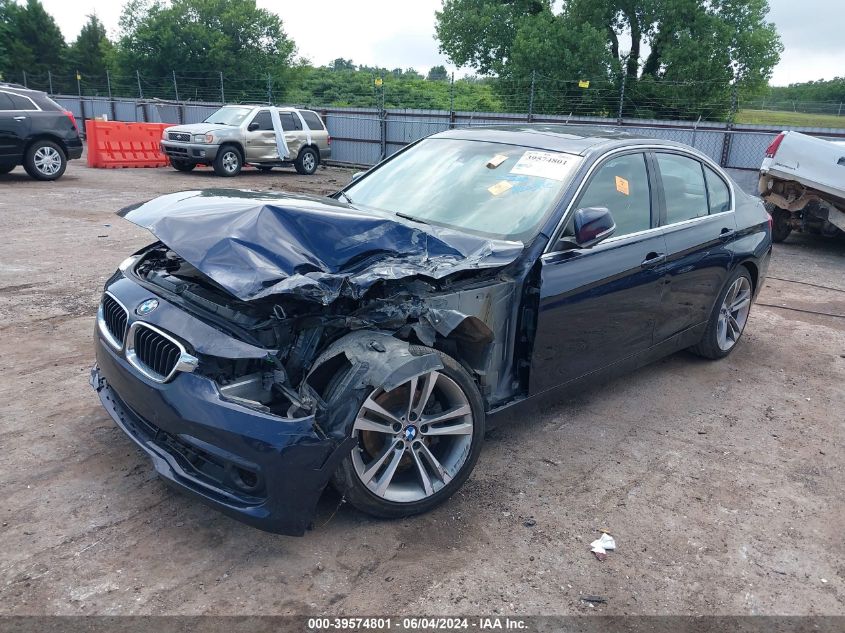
(802, 180)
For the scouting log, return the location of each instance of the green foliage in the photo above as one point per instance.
(31, 41)
(700, 51)
(438, 73)
(91, 51)
(832, 90)
(402, 89)
(198, 36)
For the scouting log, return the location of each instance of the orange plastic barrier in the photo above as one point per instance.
(114, 144)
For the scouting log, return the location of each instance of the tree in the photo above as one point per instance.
(201, 38)
(90, 52)
(438, 73)
(712, 46)
(342, 64)
(32, 42)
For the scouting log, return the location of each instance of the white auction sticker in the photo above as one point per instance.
(543, 165)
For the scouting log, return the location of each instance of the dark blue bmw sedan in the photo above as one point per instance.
(268, 345)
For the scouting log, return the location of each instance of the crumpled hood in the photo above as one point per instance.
(259, 244)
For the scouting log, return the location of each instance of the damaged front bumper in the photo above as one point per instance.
(266, 471)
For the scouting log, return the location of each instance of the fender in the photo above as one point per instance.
(376, 359)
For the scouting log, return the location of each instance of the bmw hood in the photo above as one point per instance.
(256, 245)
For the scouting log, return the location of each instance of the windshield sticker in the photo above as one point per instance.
(622, 186)
(497, 160)
(500, 187)
(542, 165)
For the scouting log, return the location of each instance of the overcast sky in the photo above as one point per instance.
(400, 33)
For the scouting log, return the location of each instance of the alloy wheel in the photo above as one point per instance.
(414, 439)
(309, 162)
(47, 160)
(734, 313)
(230, 161)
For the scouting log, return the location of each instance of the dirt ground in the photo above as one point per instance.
(722, 482)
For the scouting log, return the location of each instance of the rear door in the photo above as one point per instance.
(599, 305)
(699, 225)
(294, 135)
(15, 123)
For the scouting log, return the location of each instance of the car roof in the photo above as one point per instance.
(572, 139)
(21, 90)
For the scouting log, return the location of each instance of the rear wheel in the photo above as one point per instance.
(729, 317)
(307, 161)
(780, 223)
(182, 165)
(45, 160)
(228, 161)
(415, 444)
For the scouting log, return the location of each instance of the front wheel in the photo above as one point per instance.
(415, 444)
(730, 314)
(228, 162)
(307, 161)
(45, 160)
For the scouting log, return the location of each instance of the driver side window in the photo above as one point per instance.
(263, 119)
(621, 185)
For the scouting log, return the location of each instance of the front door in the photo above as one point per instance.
(261, 139)
(599, 305)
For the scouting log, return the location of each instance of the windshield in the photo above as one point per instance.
(501, 191)
(229, 115)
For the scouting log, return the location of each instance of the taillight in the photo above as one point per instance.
(72, 119)
(329, 140)
(772, 149)
(771, 223)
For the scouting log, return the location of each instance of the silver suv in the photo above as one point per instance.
(238, 135)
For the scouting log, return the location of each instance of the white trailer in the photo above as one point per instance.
(802, 181)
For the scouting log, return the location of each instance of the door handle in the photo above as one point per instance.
(653, 259)
(726, 234)
(20, 118)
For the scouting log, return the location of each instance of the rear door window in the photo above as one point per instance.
(289, 122)
(21, 103)
(717, 192)
(5, 102)
(621, 185)
(683, 186)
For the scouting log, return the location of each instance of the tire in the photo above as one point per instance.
(264, 169)
(729, 317)
(45, 160)
(182, 165)
(780, 228)
(405, 492)
(228, 162)
(307, 161)
(5, 169)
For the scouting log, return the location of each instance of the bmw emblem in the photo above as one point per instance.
(145, 307)
(410, 433)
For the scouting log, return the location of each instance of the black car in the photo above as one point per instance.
(269, 344)
(35, 132)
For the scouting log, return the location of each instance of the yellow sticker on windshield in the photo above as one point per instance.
(500, 187)
(622, 186)
(497, 160)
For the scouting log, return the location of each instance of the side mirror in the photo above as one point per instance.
(252, 127)
(592, 225)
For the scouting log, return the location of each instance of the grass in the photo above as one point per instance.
(794, 119)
